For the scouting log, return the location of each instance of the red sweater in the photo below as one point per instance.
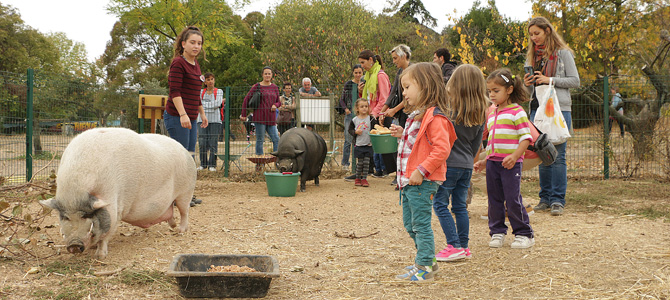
(185, 81)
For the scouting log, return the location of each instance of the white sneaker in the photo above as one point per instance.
(212, 169)
(497, 240)
(200, 168)
(522, 242)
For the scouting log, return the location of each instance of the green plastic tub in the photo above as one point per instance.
(282, 185)
(384, 143)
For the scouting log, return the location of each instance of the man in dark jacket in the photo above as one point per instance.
(442, 57)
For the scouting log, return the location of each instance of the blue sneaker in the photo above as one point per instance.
(418, 273)
(412, 270)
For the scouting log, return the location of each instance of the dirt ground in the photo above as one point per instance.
(576, 256)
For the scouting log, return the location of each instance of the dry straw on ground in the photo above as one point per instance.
(580, 255)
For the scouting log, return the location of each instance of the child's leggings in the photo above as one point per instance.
(362, 168)
(504, 190)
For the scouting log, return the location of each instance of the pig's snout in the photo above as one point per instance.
(76, 247)
(283, 169)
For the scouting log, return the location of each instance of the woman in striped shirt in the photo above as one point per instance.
(185, 80)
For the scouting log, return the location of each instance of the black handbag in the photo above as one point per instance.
(255, 100)
(544, 148)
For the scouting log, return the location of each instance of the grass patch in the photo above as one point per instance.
(43, 294)
(79, 288)
(43, 155)
(646, 198)
(69, 267)
(142, 277)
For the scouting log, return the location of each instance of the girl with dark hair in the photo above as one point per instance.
(265, 118)
(509, 136)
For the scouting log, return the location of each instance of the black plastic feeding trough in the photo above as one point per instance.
(190, 271)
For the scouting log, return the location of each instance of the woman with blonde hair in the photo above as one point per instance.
(551, 59)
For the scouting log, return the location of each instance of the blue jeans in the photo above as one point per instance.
(416, 215)
(186, 137)
(260, 136)
(346, 149)
(456, 185)
(379, 163)
(208, 140)
(554, 178)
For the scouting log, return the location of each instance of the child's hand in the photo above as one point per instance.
(359, 131)
(509, 161)
(416, 178)
(396, 130)
(478, 166)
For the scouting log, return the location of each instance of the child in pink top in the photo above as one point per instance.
(509, 136)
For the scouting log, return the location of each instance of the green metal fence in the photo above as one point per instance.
(40, 114)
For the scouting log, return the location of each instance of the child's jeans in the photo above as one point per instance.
(456, 185)
(504, 190)
(416, 215)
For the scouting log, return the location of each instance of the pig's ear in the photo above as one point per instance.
(49, 203)
(96, 203)
(274, 153)
(298, 152)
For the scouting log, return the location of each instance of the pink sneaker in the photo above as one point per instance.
(467, 253)
(450, 253)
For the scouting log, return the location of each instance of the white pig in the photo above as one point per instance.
(107, 175)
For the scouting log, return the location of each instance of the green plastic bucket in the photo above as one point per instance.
(282, 185)
(384, 143)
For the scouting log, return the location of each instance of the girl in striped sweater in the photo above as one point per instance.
(509, 136)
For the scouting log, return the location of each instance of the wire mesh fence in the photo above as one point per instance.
(62, 108)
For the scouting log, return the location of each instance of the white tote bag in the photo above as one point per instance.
(548, 117)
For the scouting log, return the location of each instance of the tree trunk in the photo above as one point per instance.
(37, 141)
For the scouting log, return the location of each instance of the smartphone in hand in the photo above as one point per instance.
(529, 71)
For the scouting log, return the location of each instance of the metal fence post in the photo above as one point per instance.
(226, 123)
(29, 126)
(606, 126)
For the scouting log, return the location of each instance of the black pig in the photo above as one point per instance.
(301, 150)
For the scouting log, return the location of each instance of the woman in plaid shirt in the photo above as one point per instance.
(425, 144)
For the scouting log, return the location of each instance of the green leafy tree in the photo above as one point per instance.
(22, 47)
(320, 39)
(483, 37)
(413, 10)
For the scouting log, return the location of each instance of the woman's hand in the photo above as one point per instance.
(540, 79)
(396, 130)
(361, 86)
(273, 108)
(244, 119)
(416, 178)
(347, 111)
(185, 121)
(528, 79)
(205, 122)
(390, 112)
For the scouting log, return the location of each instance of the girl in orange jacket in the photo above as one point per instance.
(425, 144)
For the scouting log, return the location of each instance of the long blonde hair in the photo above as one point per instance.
(428, 78)
(553, 41)
(466, 95)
